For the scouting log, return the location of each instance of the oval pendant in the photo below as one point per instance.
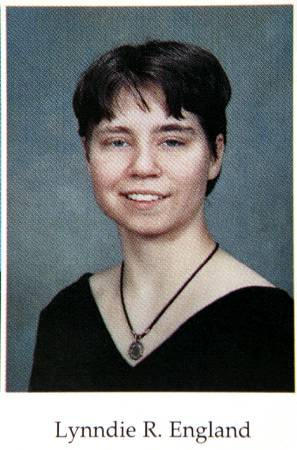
(135, 350)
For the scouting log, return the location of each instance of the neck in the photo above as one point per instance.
(152, 263)
(156, 267)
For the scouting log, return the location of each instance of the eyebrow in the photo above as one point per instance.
(160, 129)
(114, 129)
(176, 128)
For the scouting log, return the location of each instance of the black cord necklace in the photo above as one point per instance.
(136, 349)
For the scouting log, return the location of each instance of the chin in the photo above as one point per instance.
(150, 230)
(150, 226)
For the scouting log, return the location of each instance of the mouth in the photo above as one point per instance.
(145, 199)
(138, 197)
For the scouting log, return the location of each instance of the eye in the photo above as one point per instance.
(119, 143)
(172, 143)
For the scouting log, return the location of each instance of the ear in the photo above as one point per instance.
(216, 163)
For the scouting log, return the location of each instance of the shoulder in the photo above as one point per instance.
(242, 288)
(233, 274)
(254, 318)
(71, 297)
(104, 284)
(269, 303)
(258, 312)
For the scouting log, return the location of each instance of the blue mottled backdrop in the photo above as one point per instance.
(55, 230)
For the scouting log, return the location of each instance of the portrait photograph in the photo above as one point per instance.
(149, 199)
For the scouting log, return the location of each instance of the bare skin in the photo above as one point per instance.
(149, 174)
(222, 275)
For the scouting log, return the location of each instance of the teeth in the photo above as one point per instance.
(144, 197)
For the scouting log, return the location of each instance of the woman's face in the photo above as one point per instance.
(150, 170)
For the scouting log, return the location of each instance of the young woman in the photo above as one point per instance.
(179, 313)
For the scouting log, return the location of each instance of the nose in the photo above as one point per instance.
(145, 162)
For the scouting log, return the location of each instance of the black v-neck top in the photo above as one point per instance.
(243, 341)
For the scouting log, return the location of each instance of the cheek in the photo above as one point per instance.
(104, 172)
(193, 172)
(102, 183)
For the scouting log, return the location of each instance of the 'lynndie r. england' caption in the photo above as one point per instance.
(150, 429)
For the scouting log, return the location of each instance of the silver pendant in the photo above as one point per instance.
(136, 350)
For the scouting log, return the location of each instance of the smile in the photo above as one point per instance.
(144, 197)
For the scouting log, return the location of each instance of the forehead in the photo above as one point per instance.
(144, 107)
(141, 98)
